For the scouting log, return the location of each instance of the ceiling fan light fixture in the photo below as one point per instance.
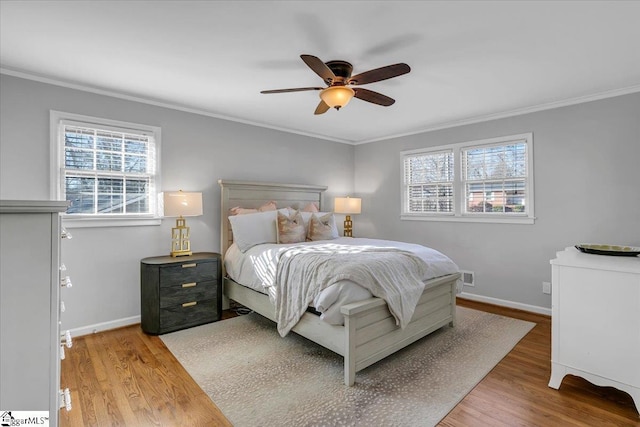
(337, 96)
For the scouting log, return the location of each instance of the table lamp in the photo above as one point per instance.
(180, 204)
(349, 206)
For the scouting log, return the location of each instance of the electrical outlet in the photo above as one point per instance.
(546, 287)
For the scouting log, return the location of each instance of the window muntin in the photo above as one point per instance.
(486, 181)
(107, 170)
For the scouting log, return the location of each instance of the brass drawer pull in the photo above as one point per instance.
(189, 304)
(189, 285)
(189, 265)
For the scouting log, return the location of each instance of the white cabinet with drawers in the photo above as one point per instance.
(595, 331)
(30, 285)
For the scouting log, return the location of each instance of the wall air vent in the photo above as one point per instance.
(468, 277)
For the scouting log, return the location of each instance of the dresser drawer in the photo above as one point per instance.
(179, 317)
(188, 292)
(187, 272)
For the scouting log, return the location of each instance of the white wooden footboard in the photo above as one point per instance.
(370, 333)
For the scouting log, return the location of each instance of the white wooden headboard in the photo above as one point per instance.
(254, 194)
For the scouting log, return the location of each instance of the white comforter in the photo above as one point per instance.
(388, 273)
(257, 268)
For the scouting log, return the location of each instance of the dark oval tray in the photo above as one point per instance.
(611, 250)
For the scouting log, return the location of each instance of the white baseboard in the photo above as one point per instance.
(104, 326)
(506, 303)
(119, 323)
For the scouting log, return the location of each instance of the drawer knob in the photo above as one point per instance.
(189, 265)
(65, 339)
(65, 399)
(189, 285)
(65, 282)
(189, 304)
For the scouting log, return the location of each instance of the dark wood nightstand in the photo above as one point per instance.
(178, 293)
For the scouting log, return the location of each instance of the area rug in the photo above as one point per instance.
(257, 378)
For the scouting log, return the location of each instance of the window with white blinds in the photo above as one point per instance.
(107, 169)
(485, 181)
(429, 182)
(495, 178)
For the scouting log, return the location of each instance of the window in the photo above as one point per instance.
(106, 170)
(485, 181)
(429, 181)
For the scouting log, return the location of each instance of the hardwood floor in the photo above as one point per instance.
(124, 377)
(127, 378)
(515, 392)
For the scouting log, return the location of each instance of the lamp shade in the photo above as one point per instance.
(347, 205)
(182, 203)
(337, 96)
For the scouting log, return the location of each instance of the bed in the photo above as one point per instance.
(369, 332)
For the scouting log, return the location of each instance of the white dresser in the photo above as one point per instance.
(596, 320)
(30, 285)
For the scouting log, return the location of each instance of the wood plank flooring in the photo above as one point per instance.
(515, 392)
(124, 377)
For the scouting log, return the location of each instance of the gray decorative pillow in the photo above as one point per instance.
(290, 228)
(322, 228)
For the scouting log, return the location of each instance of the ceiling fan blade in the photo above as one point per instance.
(382, 73)
(373, 97)
(298, 89)
(321, 108)
(319, 67)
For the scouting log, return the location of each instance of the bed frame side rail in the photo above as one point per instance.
(310, 325)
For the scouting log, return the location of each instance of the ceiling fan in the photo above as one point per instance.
(337, 76)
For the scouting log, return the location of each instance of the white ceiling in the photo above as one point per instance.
(470, 60)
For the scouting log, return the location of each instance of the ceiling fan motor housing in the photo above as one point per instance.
(341, 69)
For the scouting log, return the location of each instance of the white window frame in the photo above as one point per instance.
(459, 214)
(57, 120)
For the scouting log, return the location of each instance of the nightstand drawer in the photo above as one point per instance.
(195, 291)
(188, 314)
(188, 272)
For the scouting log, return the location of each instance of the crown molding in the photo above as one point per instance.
(156, 103)
(511, 113)
(438, 126)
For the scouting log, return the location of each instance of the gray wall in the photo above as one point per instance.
(196, 151)
(586, 165)
(586, 189)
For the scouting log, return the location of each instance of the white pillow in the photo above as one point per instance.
(253, 229)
